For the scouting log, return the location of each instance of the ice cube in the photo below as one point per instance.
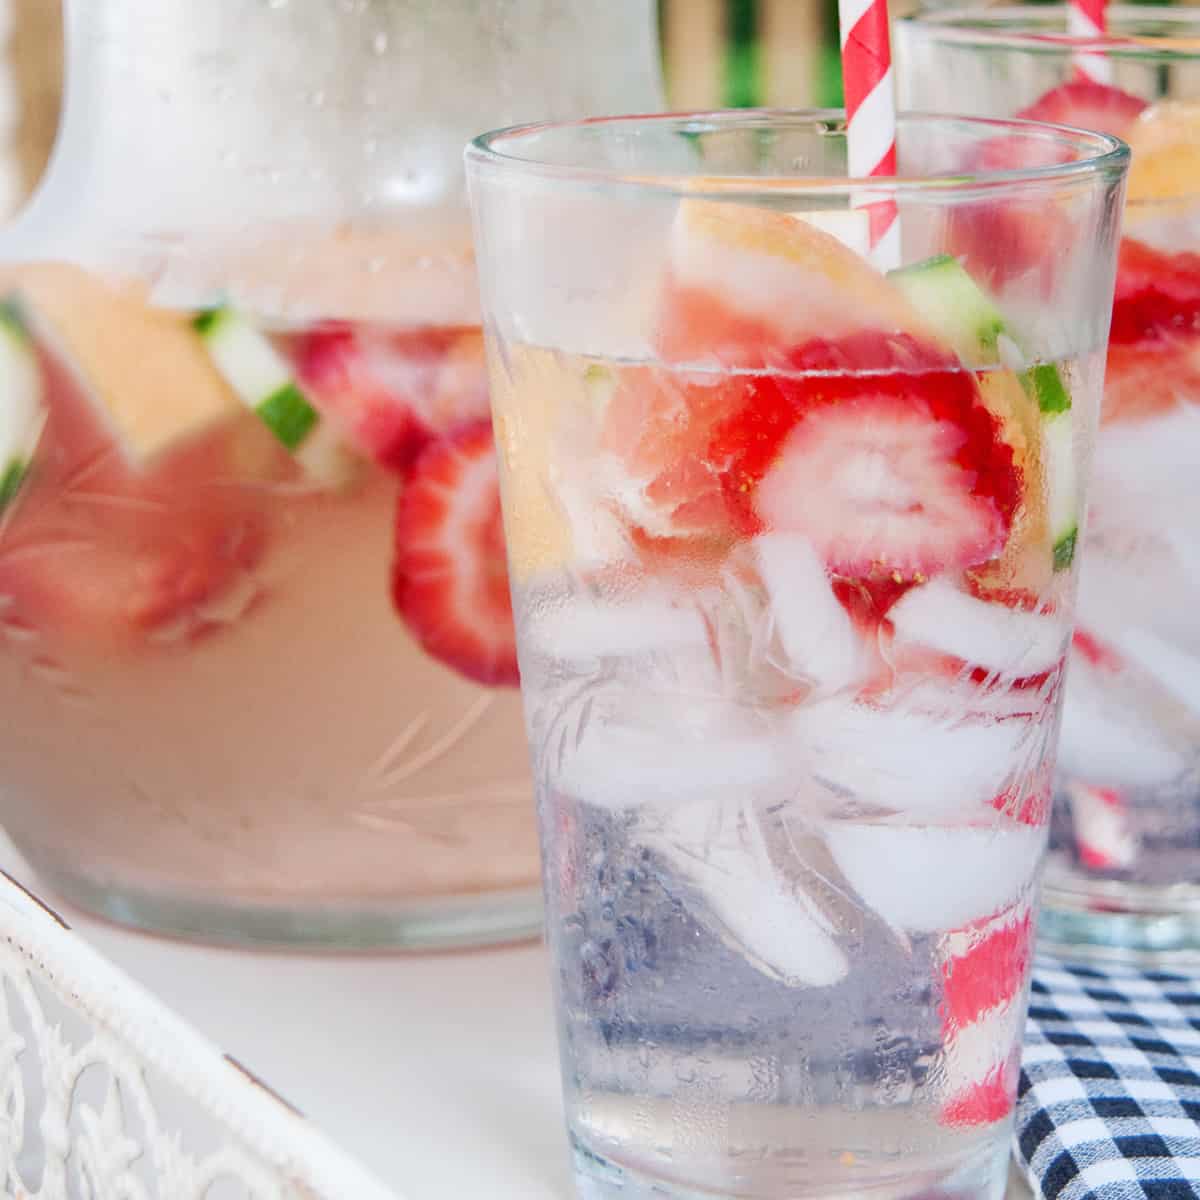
(1108, 737)
(1003, 640)
(1172, 667)
(924, 879)
(629, 744)
(1153, 458)
(816, 634)
(900, 758)
(1136, 579)
(584, 626)
(717, 848)
(584, 497)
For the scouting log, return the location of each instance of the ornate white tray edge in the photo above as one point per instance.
(131, 1103)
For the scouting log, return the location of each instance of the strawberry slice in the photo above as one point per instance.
(894, 472)
(1157, 295)
(394, 391)
(1150, 379)
(450, 578)
(999, 242)
(1087, 105)
(1154, 351)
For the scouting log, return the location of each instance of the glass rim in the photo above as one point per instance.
(1100, 154)
(1008, 27)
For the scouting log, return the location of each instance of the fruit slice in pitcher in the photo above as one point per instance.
(450, 580)
(134, 525)
(143, 369)
(260, 377)
(392, 391)
(92, 558)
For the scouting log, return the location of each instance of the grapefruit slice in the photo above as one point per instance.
(1165, 141)
(744, 284)
(144, 367)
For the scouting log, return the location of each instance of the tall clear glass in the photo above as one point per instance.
(1124, 869)
(256, 654)
(789, 541)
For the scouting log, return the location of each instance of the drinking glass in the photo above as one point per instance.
(1124, 869)
(790, 547)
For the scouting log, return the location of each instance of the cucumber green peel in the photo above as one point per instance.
(1064, 550)
(288, 415)
(12, 318)
(10, 482)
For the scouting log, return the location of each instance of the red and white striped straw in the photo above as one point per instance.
(871, 115)
(1085, 19)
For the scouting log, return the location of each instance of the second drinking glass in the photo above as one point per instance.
(1124, 870)
(792, 547)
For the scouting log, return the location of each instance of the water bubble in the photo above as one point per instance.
(599, 971)
(370, 146)
(277, 4)
(379, 43)
(317, 98)
(638, 943)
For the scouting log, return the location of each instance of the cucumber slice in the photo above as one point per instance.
(261, 378)
(942, 291)
(954, 305)
(22, 401)
(1044, 383)
(1058, 449)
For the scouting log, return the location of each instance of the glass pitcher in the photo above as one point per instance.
(256, 649)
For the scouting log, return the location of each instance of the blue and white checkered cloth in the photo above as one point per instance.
(1110, 1083)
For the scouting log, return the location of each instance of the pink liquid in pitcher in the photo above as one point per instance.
(256, 646)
